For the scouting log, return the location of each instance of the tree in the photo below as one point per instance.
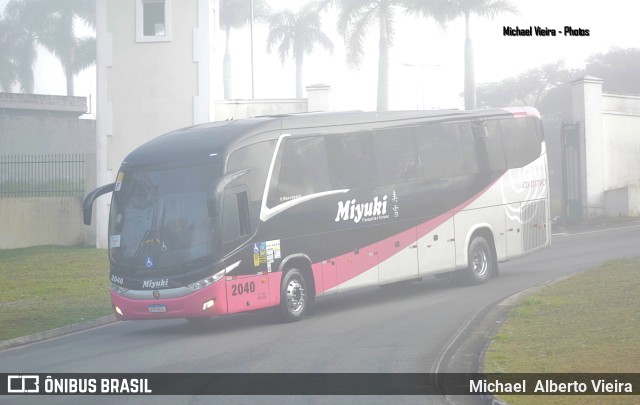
(18, 48)
(448, 10)
(354, 20)
(618, 68)
(235, 14)
(8, 68)
(527, 89)
(548, 87)
(50, 23)
(297, 33)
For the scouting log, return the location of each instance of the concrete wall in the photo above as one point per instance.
(236, 109)
(319, 99)
(624, 201)
(34, 221)
(621, 133)
(610, 148)
(150, 85)
(37, 124)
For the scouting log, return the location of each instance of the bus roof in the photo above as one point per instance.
(203, 143)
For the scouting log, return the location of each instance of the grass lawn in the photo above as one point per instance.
(588, 323)
(46, 287)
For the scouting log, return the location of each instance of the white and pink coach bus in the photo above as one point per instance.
(275, 211)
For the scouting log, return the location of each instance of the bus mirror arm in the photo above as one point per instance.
(87, 205)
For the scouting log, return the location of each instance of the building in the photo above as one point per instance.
(153, 68)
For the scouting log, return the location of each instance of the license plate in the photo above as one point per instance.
(157, 308)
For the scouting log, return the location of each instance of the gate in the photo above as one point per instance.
(571, 164)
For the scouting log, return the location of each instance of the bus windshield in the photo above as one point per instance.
(160, 221)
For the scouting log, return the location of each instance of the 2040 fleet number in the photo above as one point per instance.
(243, 288)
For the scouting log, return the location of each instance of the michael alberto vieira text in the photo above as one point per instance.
(547, 386)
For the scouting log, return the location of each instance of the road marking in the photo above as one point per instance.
(596, 231)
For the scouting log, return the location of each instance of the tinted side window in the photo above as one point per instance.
(231, 229)
(257, 158)
(488, 144)
(351, 159)
(447, 150)
(303, 170)
(396, 155)
(520, 141)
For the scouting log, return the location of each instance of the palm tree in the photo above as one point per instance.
(448, 10)
(50, 23)
(58, 36)
(8, 68)
(297, 33)
(17, 45)
(354, 20)
(235, 14)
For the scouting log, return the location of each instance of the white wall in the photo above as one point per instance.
(621, 128)
(35, 221)
(236, 109)
(610, 148)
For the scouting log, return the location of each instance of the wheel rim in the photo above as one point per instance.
(480, 262)
(295, 296)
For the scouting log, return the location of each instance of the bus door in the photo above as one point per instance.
(398, 257)
(245, 292)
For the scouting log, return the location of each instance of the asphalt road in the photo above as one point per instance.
(404, 329)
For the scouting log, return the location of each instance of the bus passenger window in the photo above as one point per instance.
(446, 150)
(396, 156)
(520, 141)
(351, 160)
(304, 169)
(488, 144)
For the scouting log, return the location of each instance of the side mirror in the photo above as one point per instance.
(87, 205)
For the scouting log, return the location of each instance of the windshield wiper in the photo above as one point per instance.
(147, 234)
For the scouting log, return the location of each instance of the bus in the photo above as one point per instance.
(274, 211)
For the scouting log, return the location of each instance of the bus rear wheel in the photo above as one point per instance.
(294, 296)
(481, 263)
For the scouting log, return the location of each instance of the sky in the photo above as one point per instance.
(427, 61)
(439, 53)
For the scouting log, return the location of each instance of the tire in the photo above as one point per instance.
(481, 264)
(295, 296)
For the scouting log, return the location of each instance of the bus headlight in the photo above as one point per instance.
(207, 281)
(118, 289)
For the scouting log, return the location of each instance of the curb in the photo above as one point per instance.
(57, 332)
(465, 353)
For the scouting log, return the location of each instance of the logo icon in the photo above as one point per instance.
(23, 384)
(149, 262)
(156, 294)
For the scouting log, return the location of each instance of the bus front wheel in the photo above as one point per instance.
(481, 263)
(294, 296)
